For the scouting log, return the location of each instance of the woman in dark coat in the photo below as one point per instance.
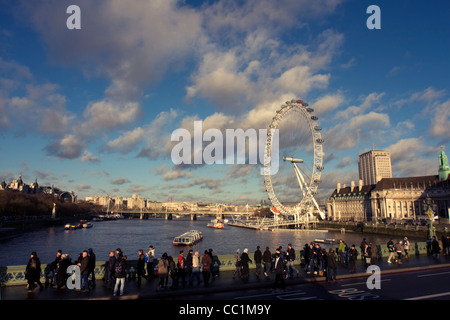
(33, 272)
(61, 276)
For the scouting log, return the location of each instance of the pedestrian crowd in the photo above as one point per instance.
(185, 270)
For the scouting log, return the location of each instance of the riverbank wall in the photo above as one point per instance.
(396, 231)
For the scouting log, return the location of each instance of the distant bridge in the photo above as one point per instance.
(170, 214)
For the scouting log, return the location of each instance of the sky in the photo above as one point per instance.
(92, 110)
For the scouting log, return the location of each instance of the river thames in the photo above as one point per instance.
(132, 235)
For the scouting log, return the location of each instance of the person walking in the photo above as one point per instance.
(352, 256)
(189, 264)
(181, 269)
(245, 259)
(331, 265)
(257, 256)
(446, 245)
(172, 272)
(195, 268)
(163, 271)
(92, 260)
(33, 272)
(150, 262)
(279, 273)
(398, 249)
(311, 258)
(120, 271)
(84, 271)
(140, 267)
(374, 252)
(435, 249)
(267, 260)
(341, 251)
(391, 248)
(290, 260)
(62, 275)
(367, 255)
(53, 266)
(237, 264)
(110, 274)
(206, 268)
(362, 246)
(406, 245)
(215, 264)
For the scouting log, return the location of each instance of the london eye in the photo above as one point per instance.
(292, 187)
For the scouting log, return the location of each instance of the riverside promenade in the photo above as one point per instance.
(224, 283)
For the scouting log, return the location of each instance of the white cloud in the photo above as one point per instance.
(89, 157)
(107, 115)
(127, 142)
(177, 174)
(368, 102)
(69, 147)
(411, 157)
(132, 44)
(119, 181)
(440, 122)
(327, 103)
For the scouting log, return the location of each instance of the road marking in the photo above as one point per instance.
(294, 295)
(432, 274)
(364, 283)
(269, 294)
(430, 296)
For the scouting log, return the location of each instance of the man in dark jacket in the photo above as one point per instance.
(257, 256)
(121, 273)
(267, 260)
(109, 272)
(279, 272)
(33, 272)
(84, 271)
(331, 265)
(140, 267)
(290, 259)
(352, 256)
(92, 266)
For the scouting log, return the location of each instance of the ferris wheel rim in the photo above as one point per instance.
(308, 114)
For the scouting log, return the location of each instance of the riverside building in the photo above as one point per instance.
(374, 166)
(392, 199)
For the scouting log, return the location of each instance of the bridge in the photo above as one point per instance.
(170, 214)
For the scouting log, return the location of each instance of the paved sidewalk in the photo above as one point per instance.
(224, 282)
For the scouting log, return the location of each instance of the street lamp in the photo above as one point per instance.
(428, 207)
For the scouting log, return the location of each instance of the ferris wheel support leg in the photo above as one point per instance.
(300, 179)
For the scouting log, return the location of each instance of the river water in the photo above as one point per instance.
(135, 234)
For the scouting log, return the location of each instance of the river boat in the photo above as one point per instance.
(188, 238)
(87, 225)
(75, 226)
(328, 241)
(216, 224)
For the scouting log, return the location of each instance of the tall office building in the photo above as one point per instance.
(374, 165)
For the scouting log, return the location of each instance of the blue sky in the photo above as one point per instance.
(92, 110)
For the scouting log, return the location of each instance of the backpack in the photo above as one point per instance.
(119, 267)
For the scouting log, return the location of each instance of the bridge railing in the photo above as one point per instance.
(15, 275)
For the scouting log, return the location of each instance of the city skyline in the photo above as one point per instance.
(92, 110)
